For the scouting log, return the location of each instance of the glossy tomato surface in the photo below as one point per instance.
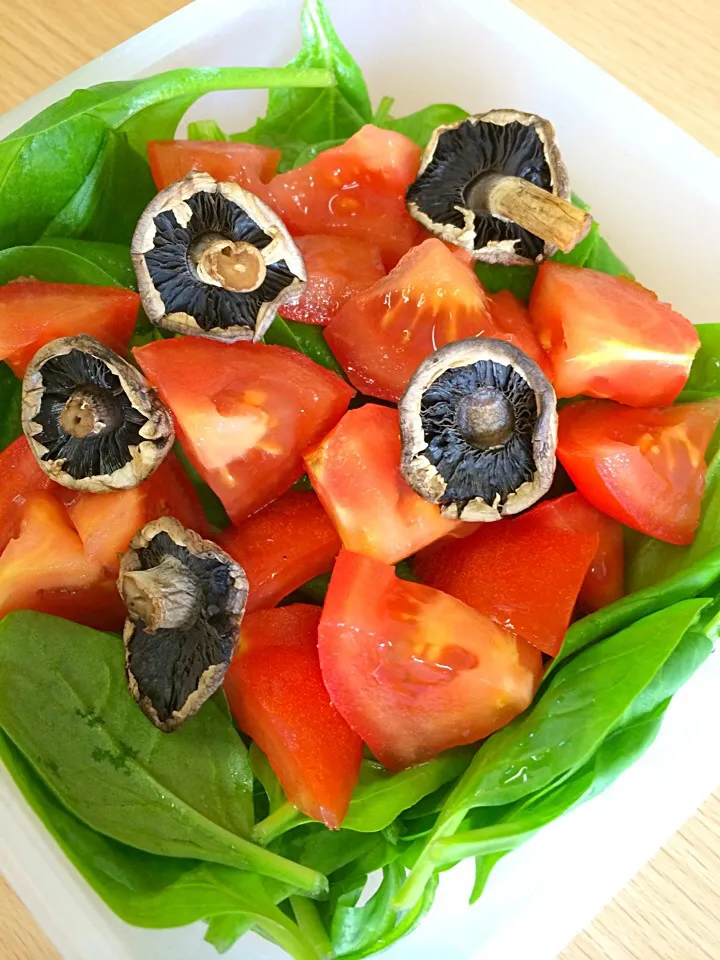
(277, 696)
(248, 164)
(524, 572)
(32, 313)
(604, 581)
(356, 473)
(609, 337)
(337, 268)
(381, 336)
(282, 546)
(414, 671)
(354, 190)
(245, 412)
(645, 468)
(20, 477)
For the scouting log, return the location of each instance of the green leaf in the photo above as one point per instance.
(10, 405)
(496, 277)
(205, 130)
(704, 380)
(185, 795)
(354, 930)
(306, 338)
(78, 169)
(266, 775)
(297, 118)
(309, 152)
(420, 125)
(70, 261)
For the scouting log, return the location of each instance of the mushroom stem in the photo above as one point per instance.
(542, 213)
(164, 597)
(234, 265)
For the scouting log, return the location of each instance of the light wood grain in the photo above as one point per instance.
(669, 53)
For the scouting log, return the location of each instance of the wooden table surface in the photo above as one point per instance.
(669, 53)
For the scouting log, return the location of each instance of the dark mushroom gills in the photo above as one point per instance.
(495, 184)
(91, 419)
(214, 261)
(185, 599)
(479, 430)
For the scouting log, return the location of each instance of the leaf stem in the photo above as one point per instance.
(308, 919)
(273, 826)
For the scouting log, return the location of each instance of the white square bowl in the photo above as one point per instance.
(656, 193)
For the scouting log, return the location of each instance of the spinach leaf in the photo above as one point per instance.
(78, 168)
(704, 379)
(309, 152)
(306, 338)
(205, 130)
(420, 125)
(58, 260)
(298, 118)
(496, 277)
(309, 922)
(355, 930)
(185, 795)
(10, 404)
(581, 705)
(267, 777)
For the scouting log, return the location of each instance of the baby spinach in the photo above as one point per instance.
(206, 130)
(10, 404)
(581, 705)
(78, 169)
(266, 775)
(297, 118)
(704, 379)
(420, 125)
(355, 930)
(58, 260)
(185, 795)
(306, 338)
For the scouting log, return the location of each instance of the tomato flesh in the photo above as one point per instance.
(248, 164)
(524, 572)
(20, 477)
(355, 471)
(32, 313)
(245, 413)
(609, 337)
(337, 268)
(414, 671)
(381, 336)
(645, 468)
(282, 546)
(604, 581)
(354, 190)
(276, 694)
(511, 322)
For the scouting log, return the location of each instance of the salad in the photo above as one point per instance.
(358, 507)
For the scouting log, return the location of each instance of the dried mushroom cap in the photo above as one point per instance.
(213, 260)
(479, 430)
(91, 419)
(495, 184)
(185, 599)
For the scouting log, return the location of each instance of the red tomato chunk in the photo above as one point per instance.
(610, 337)
(356, 473)
(282, 547)
(646, 468)
(524, 572)
(245, 412)
(414, 671)
(248, 164)
(277, 696)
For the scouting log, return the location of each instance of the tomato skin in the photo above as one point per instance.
(609, 337)
(170, 493)
(276, 694)
(604, 581)
(20, 477)
(414, 671)
(382, 335)
(355, 472)
(245, 413)
(524, 572)
(32, 313)
(282, 546)
(246, 163)
(354, 190)
(512, 323)
(337, 268)
(645, 468)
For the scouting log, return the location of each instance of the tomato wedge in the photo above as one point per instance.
(20, 477)
(277, 696)
(524, 572)
(414, 671)
(604, 581)
(32, 313)
(356, 473)
(354, 190)
(381, 336)
(246, 163)
(645, 468)
(245, 412)
(609, 337)
(282, 546)
(337, 269)
(511, 322)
